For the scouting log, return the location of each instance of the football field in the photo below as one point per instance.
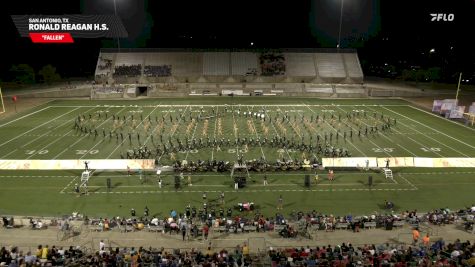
(225, 129)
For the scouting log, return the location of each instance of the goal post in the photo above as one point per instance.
(469, 118)
(3, 104)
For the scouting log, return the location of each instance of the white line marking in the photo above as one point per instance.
(193, 135)
(415, 187)
(37, 127)
(441, 117)
(255, 132)
(413, 140)
(326, 122)
(223, 105)
(45, 134)
(119, 145)
(214, 132)
(22, 117)
(77, 141)
(9, 153)
(275, 130)
(430, 128)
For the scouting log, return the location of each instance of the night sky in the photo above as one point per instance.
(398, 32)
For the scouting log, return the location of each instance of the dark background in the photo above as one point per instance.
(394, 34)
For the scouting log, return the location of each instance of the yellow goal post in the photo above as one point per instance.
(3, 104)
(470, 118)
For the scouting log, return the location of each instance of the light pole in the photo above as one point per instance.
(339, 30)
(115, 13)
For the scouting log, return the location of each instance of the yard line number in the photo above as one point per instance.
(85, 151)
(430, 149)
(383, 149)
(41, 152)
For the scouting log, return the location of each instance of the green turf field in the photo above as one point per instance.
(47, 132)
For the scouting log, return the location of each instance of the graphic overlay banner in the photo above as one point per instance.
(64, 28)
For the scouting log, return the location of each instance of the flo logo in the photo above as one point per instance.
(442, 17)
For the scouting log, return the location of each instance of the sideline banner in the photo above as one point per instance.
(94, 164)
(397, 162)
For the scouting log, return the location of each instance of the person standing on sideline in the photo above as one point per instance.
(331, 175)
(102, 245)
(280, 203)
(128, 171)
(316, 178)
(183, 231)
(221, 196)
(426, 240)
(387, 163)
(205, 231)
(189, 180)
(236, 184)
(159, 182)
(145, 212)
(415, 236)
(265, 180)
(204, 197)
(132, 212)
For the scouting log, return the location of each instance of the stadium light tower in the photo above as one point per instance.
(115, 13)
(339, 29)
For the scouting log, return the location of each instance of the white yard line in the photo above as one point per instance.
(403, 147)
(119, 145)
(252, 191)
(362, 153)
(152, 131)
(49, 121)
(56, 139)
(470, 128)
(235, 135)
(3, 157)
(192, 136)
(407, 181)
(300, 136)
(275, 130)
(214, 132)
(79, 140)
(451, 137)
(255, 132)
(223, 105)
(22, 117)
(173, 134)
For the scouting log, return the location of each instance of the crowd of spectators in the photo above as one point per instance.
(43, 256)
(104, 64)
(272, 64)
(157, 71)
(128, 70)
(197, 223)
(438, 254)
(192, 222)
